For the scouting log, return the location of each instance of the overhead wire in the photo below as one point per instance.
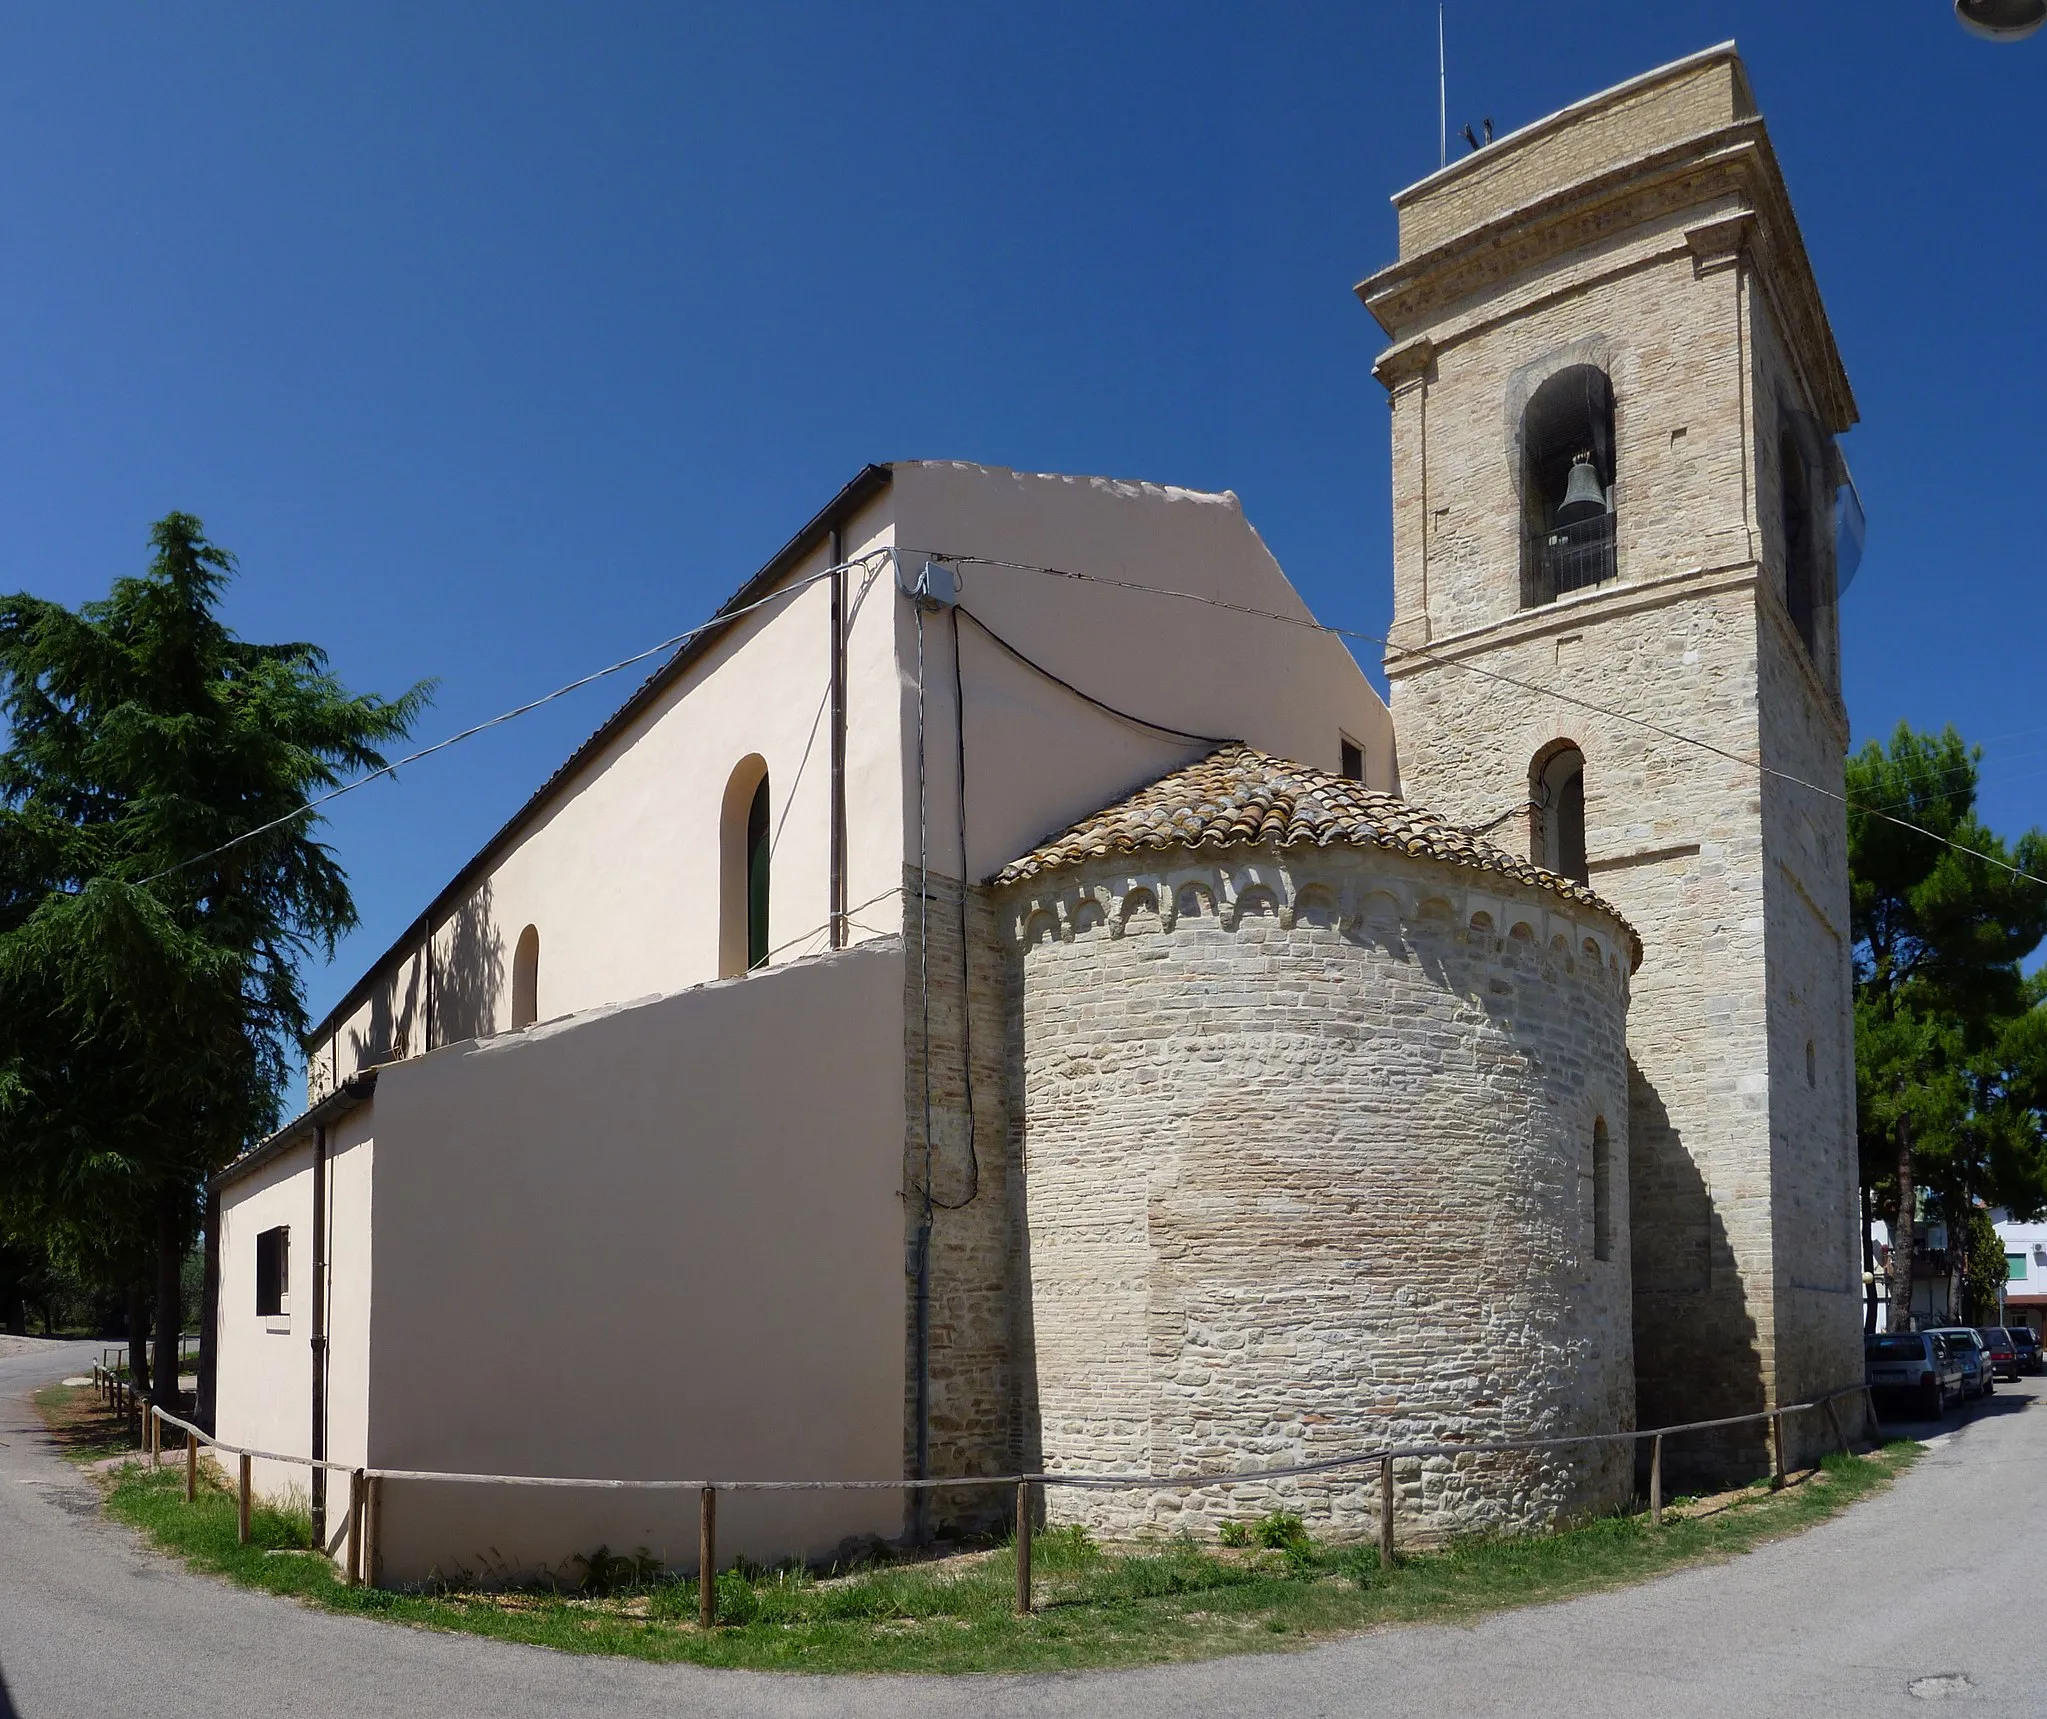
(722, 618)
(1088, 697)
(1310, 624)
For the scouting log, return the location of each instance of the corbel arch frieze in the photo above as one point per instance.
(1103, 899)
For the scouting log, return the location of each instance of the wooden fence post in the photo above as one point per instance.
(1386, 1512)
(154, 1436)
(707, 1558)
(354, 1553)
(242, 1502)
(1834, 1420)
(373, 1529)
(1776, 1448)
(1023, 1547)
(191, 1467)
(1876, 1427)
(1656, 1482)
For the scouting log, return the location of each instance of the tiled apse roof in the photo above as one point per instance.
(1238, 796)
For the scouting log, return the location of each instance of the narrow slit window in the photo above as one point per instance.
(758, 847)
(745, 857)
(273, 1272)
(1602, 1193)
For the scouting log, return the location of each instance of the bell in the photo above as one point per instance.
(1583, 497)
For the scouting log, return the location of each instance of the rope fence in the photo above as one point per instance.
(365, 1483)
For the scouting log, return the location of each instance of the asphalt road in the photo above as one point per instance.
(1925, 1586)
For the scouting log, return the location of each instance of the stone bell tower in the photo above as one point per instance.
(1615, 396)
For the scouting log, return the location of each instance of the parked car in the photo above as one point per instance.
(1917, 1365)
(1974, 1356)
(2027, 1341)
(2004, 1355)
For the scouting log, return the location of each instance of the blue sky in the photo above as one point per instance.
(500, 341)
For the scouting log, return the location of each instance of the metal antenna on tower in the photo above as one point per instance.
(1442, 95)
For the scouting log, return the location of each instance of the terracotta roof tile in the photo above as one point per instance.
(1238, 796)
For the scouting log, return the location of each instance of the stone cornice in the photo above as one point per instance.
(1413, 294)
(1583, 609)
(1570, 613)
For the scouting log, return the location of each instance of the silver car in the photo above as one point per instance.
(1973, 1353)
(1917, 1366)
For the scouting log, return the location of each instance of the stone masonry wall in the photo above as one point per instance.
(1307, 1165)
(1742, 1169)
(974, 1300)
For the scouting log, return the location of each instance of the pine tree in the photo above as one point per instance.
(159, 885)
(1950, 1033)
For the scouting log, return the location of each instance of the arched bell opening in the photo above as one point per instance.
(1567, 485)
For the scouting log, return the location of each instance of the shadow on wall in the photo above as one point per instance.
(1696, 1348)
(390, 1035)
(469, 978)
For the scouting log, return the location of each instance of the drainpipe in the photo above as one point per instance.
(920, 1509)
(319, 1291)
(838, 724)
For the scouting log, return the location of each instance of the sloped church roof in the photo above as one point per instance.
(1238, 796)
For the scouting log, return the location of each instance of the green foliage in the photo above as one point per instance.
(1983, 1268)
(150, 1004)
(1282, 1531)
(1234, 1534)
(1951, 1035)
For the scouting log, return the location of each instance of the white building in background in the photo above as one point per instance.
(1933, 1288)
(2025, 1272)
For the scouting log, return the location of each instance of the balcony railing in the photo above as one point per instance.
(1571, 557)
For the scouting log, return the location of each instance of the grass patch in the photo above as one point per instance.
(82, 1426)
(1097, 1606)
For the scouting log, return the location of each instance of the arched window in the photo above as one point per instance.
(1567, 485)
(1801, 540)
(1602, 1192)
(526, 979)
(757, 849)
(1556, 798)
(746, 841)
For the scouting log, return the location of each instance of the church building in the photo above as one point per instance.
(1010, 996)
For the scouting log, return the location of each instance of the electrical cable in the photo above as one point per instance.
(1088, 697)
(1495, 823)
(1425, 655)
(959, 709)
(922, 1434)
(391, 769)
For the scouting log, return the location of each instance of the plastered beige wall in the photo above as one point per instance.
(1038, 757)
(265, 1381)
(620, 873)
(660, 1241)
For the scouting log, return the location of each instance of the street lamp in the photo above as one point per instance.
(2001, 20)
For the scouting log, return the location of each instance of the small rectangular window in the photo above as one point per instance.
(273, 1272)
(1351, 765)
(2014, 1266)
